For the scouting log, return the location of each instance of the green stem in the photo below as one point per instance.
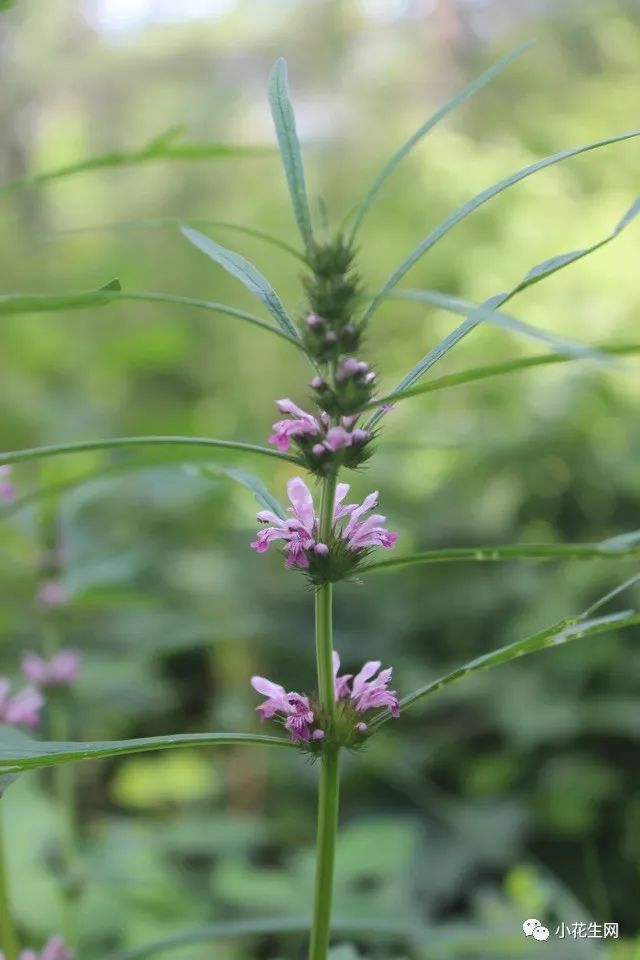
(8, 936)
(328, 797)
(329, 785)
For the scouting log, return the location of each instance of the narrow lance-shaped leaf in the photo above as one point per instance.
(285, 124)
(468, 91)
(164, 147)
(503, 320)
(560, 633)
(156, 222)
(436, 354)
(246, 273)
(32, 754)
(535, 275)
(15, 303)
(113, 443)
(262, 494)
(547, 267)
(113, 470)
(626, 546)
(400, 929)
(443, 228)
(500, 369)
(12, 303)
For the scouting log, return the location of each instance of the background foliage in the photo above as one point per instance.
(511, 795)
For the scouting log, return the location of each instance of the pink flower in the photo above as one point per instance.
(367, 691)
(300, 532)
(302, 425)
(7, 490)
(54, 949)
(361, 534)
(52, 594)
(61, 671)
(315, 434)
(292, 707)
(22, 708)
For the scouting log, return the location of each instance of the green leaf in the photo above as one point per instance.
(433, 356)
(626, 546)
(285, 124)
(32, 754)
(191, 222)
(503, 320)
(468, 91)
(246, 273)
(561, 632)
(443, 228)
(19, 738)
(162, 147)
(13, 303)
(499, 369)
(263, 495)
(112, 443)
(55, 490)
(487, 311)
(547, 267)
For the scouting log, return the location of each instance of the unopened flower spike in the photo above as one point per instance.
(329, 329)
(353, 535)
(21, 709)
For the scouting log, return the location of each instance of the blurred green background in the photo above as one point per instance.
(513, 795)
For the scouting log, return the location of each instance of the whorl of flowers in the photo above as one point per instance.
(356, 696)
(21, 709)
(7, 490)
(352, 535)
(62, 670)
(323, 445)
(54, 949)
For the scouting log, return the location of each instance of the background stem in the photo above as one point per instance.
(64, 781)
(8, 936)
(329, 785)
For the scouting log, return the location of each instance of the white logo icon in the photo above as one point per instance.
(533, 928)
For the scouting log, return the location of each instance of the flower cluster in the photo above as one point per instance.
(61, 671)
(7, 490)
(53, 594)
(54, 949)
(352, 534)
(353, 385)
(22, 708)
(292, 708)
(367, 691)
(324, 447)
(355, 697)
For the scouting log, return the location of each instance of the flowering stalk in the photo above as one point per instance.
(329, 786)
(56, 673)
(58, 702)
